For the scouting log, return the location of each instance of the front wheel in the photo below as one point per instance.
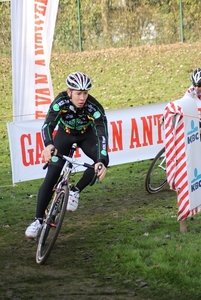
(52, 224)
(156, 176)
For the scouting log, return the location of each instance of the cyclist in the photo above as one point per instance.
(81, 119)
(195, 89)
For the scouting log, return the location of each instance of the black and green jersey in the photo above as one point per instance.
(75, 121)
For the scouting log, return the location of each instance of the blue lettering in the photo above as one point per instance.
(195, 186)
(192, 138)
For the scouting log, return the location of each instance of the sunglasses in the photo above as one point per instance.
(197, 85)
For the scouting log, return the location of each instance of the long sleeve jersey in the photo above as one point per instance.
(75, 121)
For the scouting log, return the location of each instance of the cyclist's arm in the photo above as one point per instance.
(102, 133)
(100, 130)
(48, 127)
(52, 119)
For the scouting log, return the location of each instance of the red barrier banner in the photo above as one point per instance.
(134, 134)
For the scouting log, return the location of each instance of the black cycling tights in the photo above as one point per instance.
(45, 192)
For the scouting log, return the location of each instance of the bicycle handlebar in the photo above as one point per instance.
(76, 162)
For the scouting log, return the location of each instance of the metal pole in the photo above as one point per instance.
(79, 25)
(181, 22)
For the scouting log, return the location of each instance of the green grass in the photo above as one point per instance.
(133, 76)
(121, 243)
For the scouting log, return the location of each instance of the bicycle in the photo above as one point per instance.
(57, 207)
(156, 178)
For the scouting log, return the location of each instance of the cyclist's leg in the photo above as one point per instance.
(44, 197)
(62, 143)
(46, 190)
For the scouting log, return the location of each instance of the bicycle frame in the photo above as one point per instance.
(56, 213)
(161, 164)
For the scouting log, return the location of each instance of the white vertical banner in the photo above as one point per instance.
(183, 148)
(32, 30)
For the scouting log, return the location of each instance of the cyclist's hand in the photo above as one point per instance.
(100, 169)
(46, 153)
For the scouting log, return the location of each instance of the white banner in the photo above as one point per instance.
(183, 148)
(192, 150)
(32, 29)
(134, 134)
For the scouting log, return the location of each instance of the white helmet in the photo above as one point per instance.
(78, 81)
(196, 77)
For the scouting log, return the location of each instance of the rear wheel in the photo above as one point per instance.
(52, 225)
(156, 175)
